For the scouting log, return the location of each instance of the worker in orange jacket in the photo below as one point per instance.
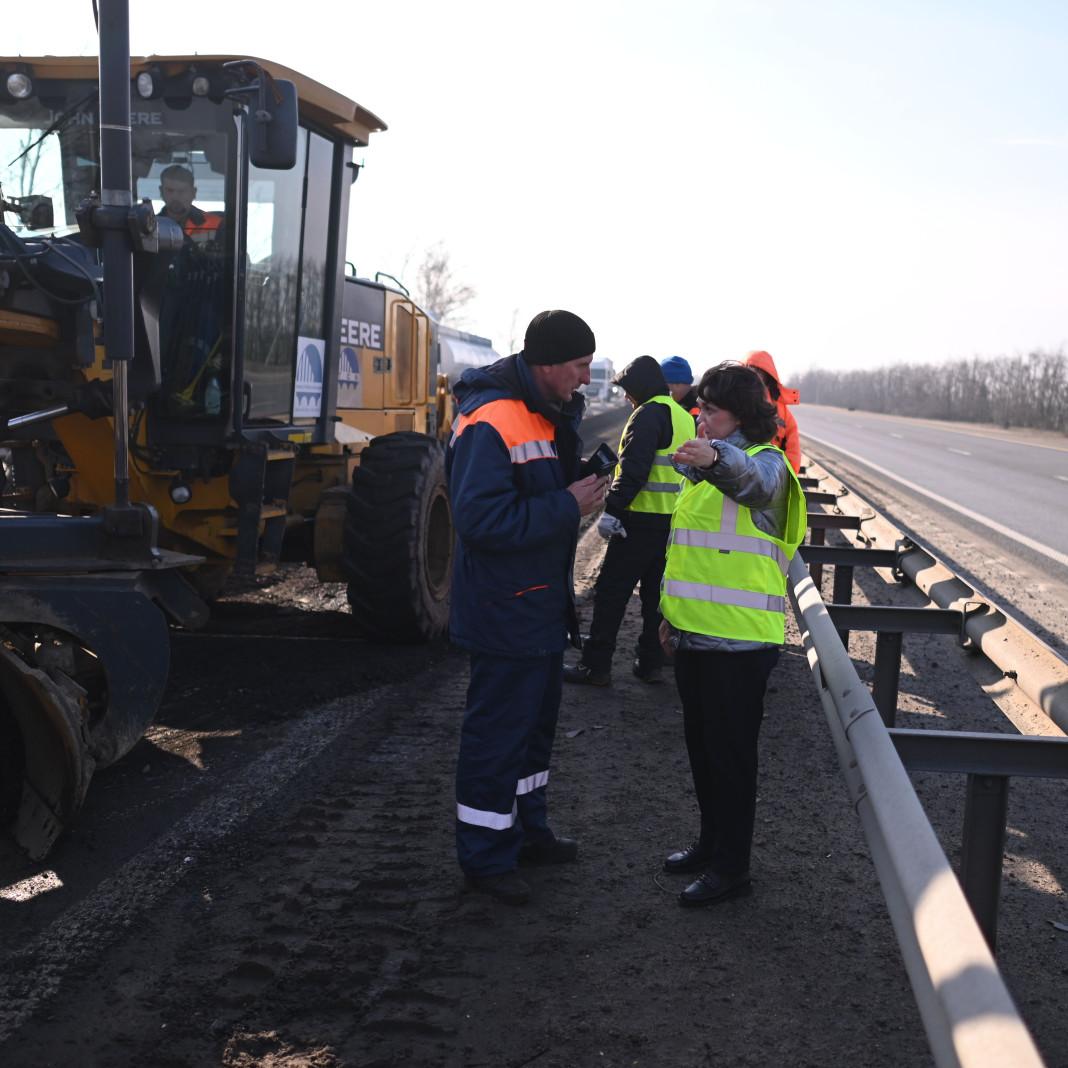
(787, 438)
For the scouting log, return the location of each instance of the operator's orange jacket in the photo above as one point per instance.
(786, 438)
(202, 225)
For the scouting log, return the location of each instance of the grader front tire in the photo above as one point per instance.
(398, 540)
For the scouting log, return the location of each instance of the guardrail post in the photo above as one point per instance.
(843, 594)
(983, 847)
(887, 674)
(817, 536)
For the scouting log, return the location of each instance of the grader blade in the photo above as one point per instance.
(83, 665)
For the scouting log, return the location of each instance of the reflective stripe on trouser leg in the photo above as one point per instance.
(505, 745)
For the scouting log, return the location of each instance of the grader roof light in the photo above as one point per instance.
(19, 85)
(148, 84)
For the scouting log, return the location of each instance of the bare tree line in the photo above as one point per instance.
(1026, 391)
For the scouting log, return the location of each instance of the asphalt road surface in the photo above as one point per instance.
(1013, 484)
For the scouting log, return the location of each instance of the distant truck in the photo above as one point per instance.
(600, 388)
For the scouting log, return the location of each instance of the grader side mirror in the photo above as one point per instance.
(273, 125)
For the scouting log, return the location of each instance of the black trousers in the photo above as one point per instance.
(637, 559)
(722, 709)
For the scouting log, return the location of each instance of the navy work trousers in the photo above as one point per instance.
(505, 745)
(722, 709)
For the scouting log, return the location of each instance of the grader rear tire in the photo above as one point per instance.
(398, 539)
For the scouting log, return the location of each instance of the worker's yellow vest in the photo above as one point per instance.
(661, 489)
(724, 575)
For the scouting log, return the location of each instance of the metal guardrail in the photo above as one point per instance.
(1040, 673)
(967, 1013)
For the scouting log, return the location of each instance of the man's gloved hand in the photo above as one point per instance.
(610, 527)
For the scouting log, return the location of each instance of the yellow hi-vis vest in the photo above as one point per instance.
(661, 490)
(724, 575)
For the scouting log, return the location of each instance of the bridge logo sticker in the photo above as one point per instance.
(308, 387)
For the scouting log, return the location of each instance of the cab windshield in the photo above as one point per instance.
(183, 161)
(50, 146)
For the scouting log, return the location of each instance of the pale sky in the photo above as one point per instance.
(841, 183)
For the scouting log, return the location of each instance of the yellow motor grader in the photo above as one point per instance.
(274, 405)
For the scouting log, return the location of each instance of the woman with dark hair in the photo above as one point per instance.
(738, 520)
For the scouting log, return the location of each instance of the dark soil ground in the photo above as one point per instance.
(269, 878)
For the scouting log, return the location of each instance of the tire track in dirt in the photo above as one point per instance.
(33, 975)
(312, 938)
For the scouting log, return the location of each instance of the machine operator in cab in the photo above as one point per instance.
(192, 304)
(178, 191)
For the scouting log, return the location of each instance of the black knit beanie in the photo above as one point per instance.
(556, 337)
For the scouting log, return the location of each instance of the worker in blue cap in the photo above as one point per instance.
(679, 378)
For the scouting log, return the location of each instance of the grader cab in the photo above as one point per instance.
(265, 375)
(278, 406)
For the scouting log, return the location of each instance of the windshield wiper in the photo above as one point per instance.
(59, 124)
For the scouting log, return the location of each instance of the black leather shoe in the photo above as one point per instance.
(693, 858)
(711, 889)
(507, 887)
(584, 676)
(557, 851)
(648, 674)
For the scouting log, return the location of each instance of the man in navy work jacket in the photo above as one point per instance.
(513, 469)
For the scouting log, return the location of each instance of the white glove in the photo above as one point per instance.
(610, 527)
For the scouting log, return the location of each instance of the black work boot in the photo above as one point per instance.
(553, 851)
(506, 887)
(646, 673)
(711, 889)
(695, 857)
(582, 675)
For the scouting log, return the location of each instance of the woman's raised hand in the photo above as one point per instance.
(697, 452)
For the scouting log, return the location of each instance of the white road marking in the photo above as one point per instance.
(900, 437)
(1007, 532)
(960, 452)
(1063, 478)
(940, 425)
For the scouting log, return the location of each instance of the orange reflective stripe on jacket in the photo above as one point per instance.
(526, 434)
